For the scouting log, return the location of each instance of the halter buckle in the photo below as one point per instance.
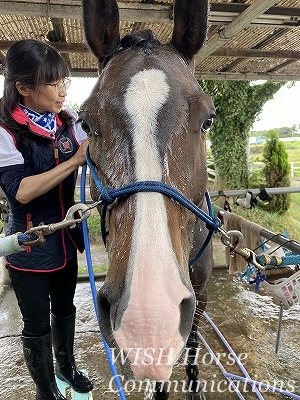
(69, 220)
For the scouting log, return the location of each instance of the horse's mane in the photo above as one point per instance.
(144, 39)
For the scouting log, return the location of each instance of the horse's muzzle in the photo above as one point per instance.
(151, 329)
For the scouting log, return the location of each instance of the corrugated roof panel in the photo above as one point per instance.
(215, 63)
(256, 65)
(251, 37)
(18, 27)
(73, 30)
(277, 34)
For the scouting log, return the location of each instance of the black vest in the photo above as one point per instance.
(42, 153)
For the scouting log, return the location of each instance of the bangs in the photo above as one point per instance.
(53, 68)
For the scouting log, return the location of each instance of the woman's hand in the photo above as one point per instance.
(36, 185)
(79, 157)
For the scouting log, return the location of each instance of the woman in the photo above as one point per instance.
(42, 147)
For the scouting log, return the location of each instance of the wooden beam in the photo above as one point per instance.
(237, 8)
(75, 72)
(62, 47)
(57, 35)
(205, 75)
(243, 15)
(128, 12)
(245, 76)
(256, 53)
(140, 12)
(41, 10)
(241, 22)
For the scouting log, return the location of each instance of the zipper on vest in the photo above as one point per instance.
(29, 225)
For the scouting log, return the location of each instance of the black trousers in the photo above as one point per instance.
(38, 293)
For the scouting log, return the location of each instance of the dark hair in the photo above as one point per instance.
(145, 39)
(32, 62)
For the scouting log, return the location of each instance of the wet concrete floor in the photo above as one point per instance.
(247, 319)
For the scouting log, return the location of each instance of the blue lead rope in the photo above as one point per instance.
(23, 237)
(108, 195)
(93, 287)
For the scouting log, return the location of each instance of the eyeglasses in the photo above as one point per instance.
(60, 86)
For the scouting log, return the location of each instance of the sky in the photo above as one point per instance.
(282, 111)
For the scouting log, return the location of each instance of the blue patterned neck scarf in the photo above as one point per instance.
(46, 120)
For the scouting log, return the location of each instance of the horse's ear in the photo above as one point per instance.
(101, 26)
(190, 26)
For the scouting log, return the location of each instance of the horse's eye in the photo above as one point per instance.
(84, 126)
(207, 125)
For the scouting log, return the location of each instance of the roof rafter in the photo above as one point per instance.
(251, 41)
(143, 12)
(241, 22)
(128, 12)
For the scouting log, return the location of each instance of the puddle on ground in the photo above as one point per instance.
(248, 320)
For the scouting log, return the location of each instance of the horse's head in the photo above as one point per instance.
(147, 117)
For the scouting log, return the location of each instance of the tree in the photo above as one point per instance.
(277, 172)
(238, 103)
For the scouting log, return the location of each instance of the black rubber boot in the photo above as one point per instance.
(63, 330)
(39, 360)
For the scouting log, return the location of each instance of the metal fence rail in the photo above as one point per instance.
(241, 192)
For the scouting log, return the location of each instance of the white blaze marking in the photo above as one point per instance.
(145, 96)
(152, 316)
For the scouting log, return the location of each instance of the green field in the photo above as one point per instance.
(292, 148)
(291, 219)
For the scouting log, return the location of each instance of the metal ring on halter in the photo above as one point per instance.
(69, 220)
(247, 254)
(226, 235)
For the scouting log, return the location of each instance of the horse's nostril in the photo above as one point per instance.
(104, 316)
(102, 301)
(187, 307)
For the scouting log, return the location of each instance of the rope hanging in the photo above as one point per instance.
(279, 262)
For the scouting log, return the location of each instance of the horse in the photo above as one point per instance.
(147, 119)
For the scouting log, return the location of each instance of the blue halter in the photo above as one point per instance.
(108, 195)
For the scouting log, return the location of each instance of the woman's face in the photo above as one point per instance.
(48, 97)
